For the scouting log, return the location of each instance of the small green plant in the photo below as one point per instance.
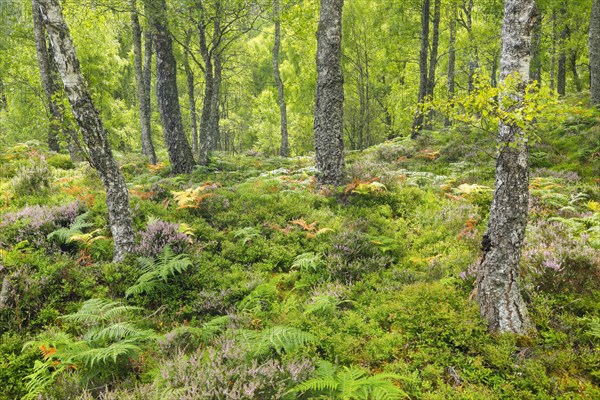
(110, 341)
(156, 272)
(351, 384)
(280, 339)
(74, 233)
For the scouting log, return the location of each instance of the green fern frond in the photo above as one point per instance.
(167, 265)
(111, 353)
(278, 338)
(352, 383)
(308, 262)
(65, 235)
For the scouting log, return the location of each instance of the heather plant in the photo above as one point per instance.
(160, 234)
(32, 178)
(352, 255)
(34, 223)
(225, 371)
(557, 259)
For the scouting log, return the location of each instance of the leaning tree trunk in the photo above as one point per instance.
(594, 44)
(92, 129)
(189, 74)
(500, 300)
(48, 84)
(283, 149)
(180, 154)
(143, 97)
(419, 117)
(329, 100)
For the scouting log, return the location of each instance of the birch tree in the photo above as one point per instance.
(90, 124)
(500, 300)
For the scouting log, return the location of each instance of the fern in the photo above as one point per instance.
(247, 234)
(110, 337)
(167, 265)
(308, 262)
(75, 230)
(278, 338)
(352, 383)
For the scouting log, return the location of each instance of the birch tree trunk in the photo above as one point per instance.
(143, 96)
(205, 119)
(180, 154)
(419, 117)
(500, 300)
(594, 45)
(48, 83)
(189, 74)
(329, 101)
(283, 149)
(92, 129)
(452, 57)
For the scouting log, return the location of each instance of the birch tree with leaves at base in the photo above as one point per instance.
(500, 299)
(92, 130)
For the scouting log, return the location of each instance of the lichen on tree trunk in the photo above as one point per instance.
(500, 299)
(92, 129)
(329, 101)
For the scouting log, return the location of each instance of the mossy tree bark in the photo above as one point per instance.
(92, 129)
(329, 101)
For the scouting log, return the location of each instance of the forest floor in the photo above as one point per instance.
(250, 283)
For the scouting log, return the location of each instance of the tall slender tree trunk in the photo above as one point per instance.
(92, 129)
(500, 300)
(535, 68)
(561, 73)
(283, 149)
(148, 52)
(329, 100)
(180, 154)
(48, 83)
(573, 65)
(215, 112)
(143, 97)
(553, 56)
(205, 119)
(452, 57)
(419, 117)
(594, 45)
(215, 109)
(435, 40)
(191, 92)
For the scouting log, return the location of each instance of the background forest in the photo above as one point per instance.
(218, 264)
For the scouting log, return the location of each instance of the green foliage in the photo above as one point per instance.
(156, 272)
(109, 342)
(280, 339)
(61, 161)
(352, 384)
